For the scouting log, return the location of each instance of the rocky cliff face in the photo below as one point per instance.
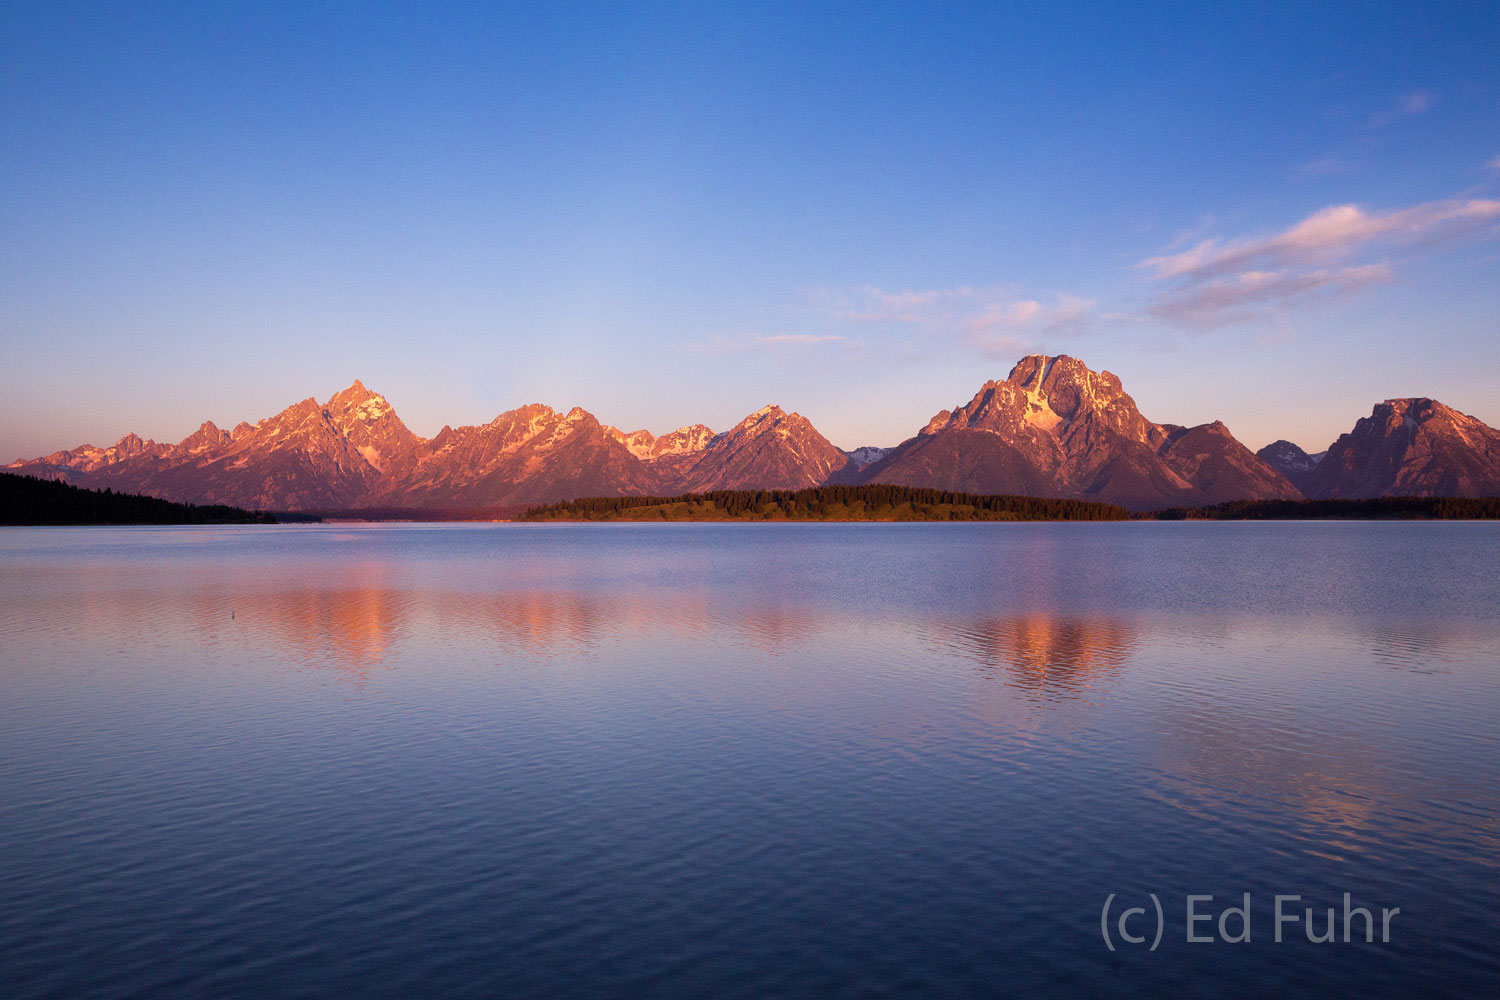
(672, 454)
(770, 449)
(530, 455)
(1411, 447)
(1054, 427)
(305, 456)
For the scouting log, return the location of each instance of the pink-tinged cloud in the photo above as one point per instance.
(1069, 312)
(1333, 233)
(1007, 327)
(1252, 295)
(1334, 252)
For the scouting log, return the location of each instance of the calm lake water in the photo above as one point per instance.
(745, 760)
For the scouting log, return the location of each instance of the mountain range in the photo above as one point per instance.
(1052, 428)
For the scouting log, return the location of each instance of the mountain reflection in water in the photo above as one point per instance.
(740, 760)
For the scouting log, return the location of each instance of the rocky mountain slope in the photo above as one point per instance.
(770, 449)
(1411, 447)
(1291, 461)
(1052, 428)
(529, 455)
(672, 454)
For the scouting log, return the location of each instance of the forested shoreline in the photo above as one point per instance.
(26, 500)
(827, 503)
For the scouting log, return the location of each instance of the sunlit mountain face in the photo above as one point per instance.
(1052, 428)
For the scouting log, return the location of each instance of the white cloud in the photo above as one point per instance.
(1008, 327)
(1408, 105)
(1249, 295)
(1414, 103)
(1335, 251)
(1333, 233)
(1329, 254)
(957, 309)
(1200, 283)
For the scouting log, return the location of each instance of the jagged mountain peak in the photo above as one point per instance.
(1418, 408)
(207, 438)
(1052, 427)
(648, 447)
(692, 437)
(1050, 395)
(359, 403)
(1291, 461)
(867, 454)
(769, 449)
(1286, 453)
(1411, 446)
(639, 442)
(530, 411)
(769, 412)
(1056, 427)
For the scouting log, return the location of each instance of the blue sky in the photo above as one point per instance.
(1270, 215)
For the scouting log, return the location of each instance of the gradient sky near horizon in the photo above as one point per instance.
(1273, 215)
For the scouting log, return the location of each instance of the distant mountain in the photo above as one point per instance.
(770, 449)
(1411, 447)
(672, 454)
(1291, 461)
(1056, 428)
(530, 455)
(1052, 428)
(305, 456)
(867, 455)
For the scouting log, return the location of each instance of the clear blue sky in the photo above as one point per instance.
(1271, 215)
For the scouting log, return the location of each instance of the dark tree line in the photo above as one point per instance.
(821, 501)
(1436, 508)
(27, 500)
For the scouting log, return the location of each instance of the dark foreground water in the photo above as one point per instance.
(747, 760)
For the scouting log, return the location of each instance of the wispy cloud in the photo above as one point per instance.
(868, 305)
(1494, 164)
(1008, 326)
(993, 319)
(1218, 282)
(1250, 295)
(1333, 232)
(1408, 105)
(958, 309)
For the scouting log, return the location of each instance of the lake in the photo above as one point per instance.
(740, 760)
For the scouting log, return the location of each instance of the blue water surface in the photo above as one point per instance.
(744, 760)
